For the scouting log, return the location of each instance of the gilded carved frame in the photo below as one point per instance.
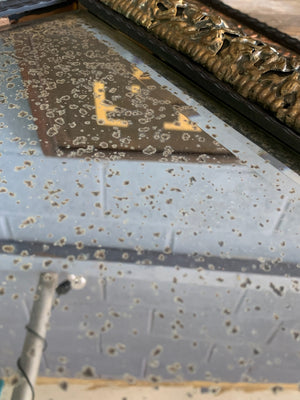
(256, 76)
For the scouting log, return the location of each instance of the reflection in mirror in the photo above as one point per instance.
(86, 99)
(144, 239)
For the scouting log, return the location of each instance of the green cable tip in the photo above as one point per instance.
(1, 385)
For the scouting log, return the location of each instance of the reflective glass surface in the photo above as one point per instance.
(175, 221)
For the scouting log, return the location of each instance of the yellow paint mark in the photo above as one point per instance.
(102, 108)
(140, 75)
(182, 124)
(135, 88)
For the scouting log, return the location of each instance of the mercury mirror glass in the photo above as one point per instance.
(175, 221)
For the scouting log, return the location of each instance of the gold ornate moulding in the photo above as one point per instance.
(254, 68)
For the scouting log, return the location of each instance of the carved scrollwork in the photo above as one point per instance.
(253, 68)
